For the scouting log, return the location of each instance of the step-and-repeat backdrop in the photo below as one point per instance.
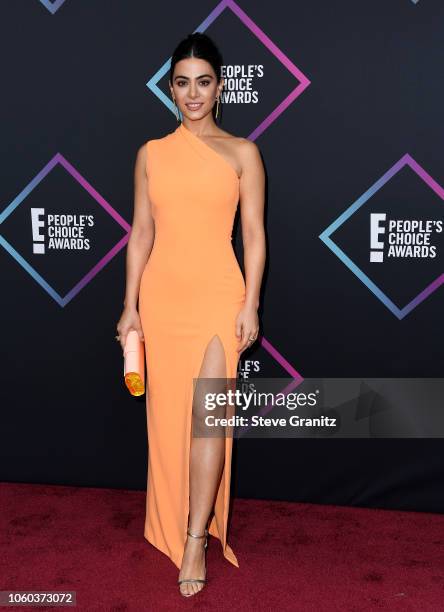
(345, 101)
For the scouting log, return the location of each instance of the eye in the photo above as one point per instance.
(180, 83)
(205, 83)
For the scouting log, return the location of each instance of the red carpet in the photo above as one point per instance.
(292, 556)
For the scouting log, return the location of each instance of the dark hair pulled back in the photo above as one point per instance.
(198, 45)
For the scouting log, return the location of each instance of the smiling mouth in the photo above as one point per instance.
(194, 106)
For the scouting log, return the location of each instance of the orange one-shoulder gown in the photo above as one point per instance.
(191, 289)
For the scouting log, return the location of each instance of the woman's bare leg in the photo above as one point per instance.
(207, 456)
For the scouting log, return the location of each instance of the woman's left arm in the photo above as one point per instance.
(252, 199)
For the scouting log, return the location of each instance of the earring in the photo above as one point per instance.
(217, 107)
(176, 110)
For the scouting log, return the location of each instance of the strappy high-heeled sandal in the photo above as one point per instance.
(202, 580)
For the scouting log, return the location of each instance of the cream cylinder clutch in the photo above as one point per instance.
(134, 364)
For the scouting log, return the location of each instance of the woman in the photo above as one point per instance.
(196, 314)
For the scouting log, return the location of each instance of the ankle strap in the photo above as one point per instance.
(197, 536)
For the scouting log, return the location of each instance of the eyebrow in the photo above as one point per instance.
(179, 76)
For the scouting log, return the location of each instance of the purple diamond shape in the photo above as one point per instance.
(59, 159)
(269, 44)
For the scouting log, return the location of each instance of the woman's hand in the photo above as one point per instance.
(247, 327)
(129, 320)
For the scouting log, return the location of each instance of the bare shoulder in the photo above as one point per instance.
(249, 156)
(248, 149)
(244, 150)
(240, 143)
(244, 145)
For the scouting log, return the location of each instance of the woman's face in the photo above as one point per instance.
(195, 87)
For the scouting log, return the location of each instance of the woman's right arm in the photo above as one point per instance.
(138, 250)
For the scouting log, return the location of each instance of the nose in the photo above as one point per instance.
(193, 90)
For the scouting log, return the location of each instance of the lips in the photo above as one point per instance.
(195, 106)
